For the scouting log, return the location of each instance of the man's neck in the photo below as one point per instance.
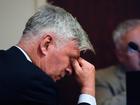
(26, 55)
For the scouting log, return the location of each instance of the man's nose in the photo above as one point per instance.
(69, 70)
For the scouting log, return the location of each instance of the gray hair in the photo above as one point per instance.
(54, 19)
(123, 28)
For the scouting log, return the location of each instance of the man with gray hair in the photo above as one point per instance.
(48, 50)
(111, 81)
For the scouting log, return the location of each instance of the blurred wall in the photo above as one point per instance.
(13, 16)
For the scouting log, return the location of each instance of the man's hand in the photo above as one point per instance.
(85, 74)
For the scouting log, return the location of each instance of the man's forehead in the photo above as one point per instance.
(75, 53)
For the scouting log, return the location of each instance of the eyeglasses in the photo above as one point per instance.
(133, 47)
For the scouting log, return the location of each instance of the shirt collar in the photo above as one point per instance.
(26, 55)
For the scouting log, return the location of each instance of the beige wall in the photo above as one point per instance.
(13, 16)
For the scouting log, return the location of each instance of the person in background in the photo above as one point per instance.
(111, 81)
(48, 50)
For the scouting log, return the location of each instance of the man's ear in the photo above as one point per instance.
(44, 44)
(120, 56)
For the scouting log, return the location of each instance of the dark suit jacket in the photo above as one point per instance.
(23, 83)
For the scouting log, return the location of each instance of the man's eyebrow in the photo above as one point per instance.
(75, 56)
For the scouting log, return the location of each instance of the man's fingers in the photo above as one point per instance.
(75, 64)
(82, 62)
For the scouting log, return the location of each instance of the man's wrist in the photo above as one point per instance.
(89, 91)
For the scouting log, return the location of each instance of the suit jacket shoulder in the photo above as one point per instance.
(111, 86)
(110, 75)
(21, 82)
